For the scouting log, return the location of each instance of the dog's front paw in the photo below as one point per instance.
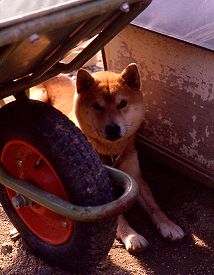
(170, 231)
(135, 243)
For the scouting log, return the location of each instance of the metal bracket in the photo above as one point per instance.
(69, 210)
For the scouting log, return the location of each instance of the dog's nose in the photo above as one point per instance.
(112, 131)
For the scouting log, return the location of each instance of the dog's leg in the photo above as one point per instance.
(167, 228)
(131, 239)
(146, 200)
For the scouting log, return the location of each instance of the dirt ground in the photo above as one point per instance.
(187, 202)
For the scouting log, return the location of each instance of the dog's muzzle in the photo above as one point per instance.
(112, 131)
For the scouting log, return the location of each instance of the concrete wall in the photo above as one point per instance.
(177, 83)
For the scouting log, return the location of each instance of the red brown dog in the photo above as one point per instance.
(108, 107)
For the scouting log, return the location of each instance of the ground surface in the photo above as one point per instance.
(186, 202)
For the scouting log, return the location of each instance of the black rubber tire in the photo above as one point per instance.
(80, 170)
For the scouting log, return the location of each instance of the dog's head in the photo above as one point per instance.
(109, 106)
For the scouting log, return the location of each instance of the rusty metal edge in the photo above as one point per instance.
(175, 161)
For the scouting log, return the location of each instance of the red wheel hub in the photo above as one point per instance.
(24, 161)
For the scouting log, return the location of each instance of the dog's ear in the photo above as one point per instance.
(84, 81)
(131, 76)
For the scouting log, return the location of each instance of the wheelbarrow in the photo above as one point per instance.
(54, 188)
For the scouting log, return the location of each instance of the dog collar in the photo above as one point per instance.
(113, 160)
(116, 159)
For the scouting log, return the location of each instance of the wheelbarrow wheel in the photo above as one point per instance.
(39, 144)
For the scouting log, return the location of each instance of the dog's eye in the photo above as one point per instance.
(98, 107)
(123, 103)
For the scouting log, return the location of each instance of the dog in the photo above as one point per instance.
(108, 108)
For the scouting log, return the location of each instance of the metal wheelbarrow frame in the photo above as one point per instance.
(73, 22)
